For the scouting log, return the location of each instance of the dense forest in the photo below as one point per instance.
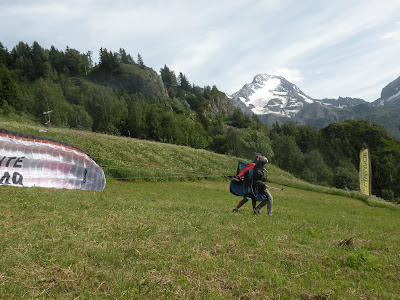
(330, 155)
(122, 96)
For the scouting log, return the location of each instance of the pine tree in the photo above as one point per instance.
(168, 77)
(140, 61)
(4, 56)
(183, 82)
(8, 89)
(38, 59)
(125, 58)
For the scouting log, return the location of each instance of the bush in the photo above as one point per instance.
(6, 108)
(345, 178)
(79, 118)
(387, 194)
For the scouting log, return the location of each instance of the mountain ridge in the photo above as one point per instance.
(390, 95)
(272, 94)
(282, 101)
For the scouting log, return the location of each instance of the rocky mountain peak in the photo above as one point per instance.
(274, 95)
(390, 95)
(270, 94)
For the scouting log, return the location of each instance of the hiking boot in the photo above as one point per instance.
(235, 210)
(256, 211)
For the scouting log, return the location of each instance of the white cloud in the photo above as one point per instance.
(198, 53)
(327, 48)
(293, 76)
(392, 36)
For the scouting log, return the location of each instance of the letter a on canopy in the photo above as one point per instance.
(27, 160)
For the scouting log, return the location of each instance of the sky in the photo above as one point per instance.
(328, 48)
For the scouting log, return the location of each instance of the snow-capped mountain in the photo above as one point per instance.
(274, 99)
(270, 94)
(390, 95)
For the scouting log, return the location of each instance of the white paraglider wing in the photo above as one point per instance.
(34, 161)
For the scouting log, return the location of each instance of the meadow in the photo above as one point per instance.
(163, 228)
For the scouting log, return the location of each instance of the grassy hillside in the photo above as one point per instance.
(176, 237)
(142, 160)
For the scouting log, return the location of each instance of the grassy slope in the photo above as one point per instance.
(174, 239)
(144, 160)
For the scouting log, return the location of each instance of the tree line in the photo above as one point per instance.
(330, 156)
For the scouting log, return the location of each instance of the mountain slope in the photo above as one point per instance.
(132, 79)
(341, 102)
(390, 95)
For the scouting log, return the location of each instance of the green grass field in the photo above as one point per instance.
(175, 237)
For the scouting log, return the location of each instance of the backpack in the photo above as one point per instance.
(248, 176)
(245, 187)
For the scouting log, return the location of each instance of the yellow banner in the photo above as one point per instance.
(365, 172)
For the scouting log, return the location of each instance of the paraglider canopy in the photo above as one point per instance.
(27, 160)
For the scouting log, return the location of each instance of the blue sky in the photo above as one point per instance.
(328, 48)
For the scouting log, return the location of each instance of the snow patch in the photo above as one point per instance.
(308, 100)
(394, 96)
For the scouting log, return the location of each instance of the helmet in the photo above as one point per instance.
(261, 159)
